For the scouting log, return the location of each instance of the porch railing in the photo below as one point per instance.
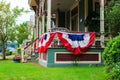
(29, 50)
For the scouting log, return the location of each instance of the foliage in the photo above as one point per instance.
(22, 32)
(8, 23)
(19, 50)
(34, 71)
(115, 72)
(8, 19)
(112, 17)
(93, 22)
(32, 38)
(8, 52)
(111, 56)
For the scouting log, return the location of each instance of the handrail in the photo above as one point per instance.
(31, 43)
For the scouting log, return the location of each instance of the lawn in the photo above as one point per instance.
(33, 71)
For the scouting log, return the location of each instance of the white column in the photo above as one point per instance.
(102, 22)
(86, 13)
(48, 15)
(43, 18)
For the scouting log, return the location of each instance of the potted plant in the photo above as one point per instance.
(17, 58)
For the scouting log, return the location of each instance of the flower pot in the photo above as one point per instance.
(17, 60)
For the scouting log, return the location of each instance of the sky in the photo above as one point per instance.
(21, 4)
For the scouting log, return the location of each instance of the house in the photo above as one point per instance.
(76, 16)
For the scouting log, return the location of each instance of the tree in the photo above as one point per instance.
(112, 17)
(7, 23)
(22, 32)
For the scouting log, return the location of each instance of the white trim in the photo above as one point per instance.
(41, 58)
(84, 62)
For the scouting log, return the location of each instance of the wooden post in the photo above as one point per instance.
(22, 54)
(102, 22)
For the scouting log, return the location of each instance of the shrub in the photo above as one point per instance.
(111, 57)
(8, 52)
(19, 50)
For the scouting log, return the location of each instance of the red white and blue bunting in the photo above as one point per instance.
(45, 41)
(74, 42)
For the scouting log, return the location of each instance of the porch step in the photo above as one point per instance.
(34, 57)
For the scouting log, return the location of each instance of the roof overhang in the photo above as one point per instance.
(32, 3)
(62, 5)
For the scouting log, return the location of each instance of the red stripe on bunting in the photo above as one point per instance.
(44, 44)
(92, 38)
(68, 45)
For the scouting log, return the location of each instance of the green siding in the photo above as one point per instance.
(50, 58)
(50, 54)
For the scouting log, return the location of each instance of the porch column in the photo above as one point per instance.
(48, 15)
(86, 13)
(102, 22)
(43, 16)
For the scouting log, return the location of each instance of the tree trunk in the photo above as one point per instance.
(3, 50)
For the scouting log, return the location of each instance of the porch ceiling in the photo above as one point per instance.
(62, 5)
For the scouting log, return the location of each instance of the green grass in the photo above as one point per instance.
(33, 71)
